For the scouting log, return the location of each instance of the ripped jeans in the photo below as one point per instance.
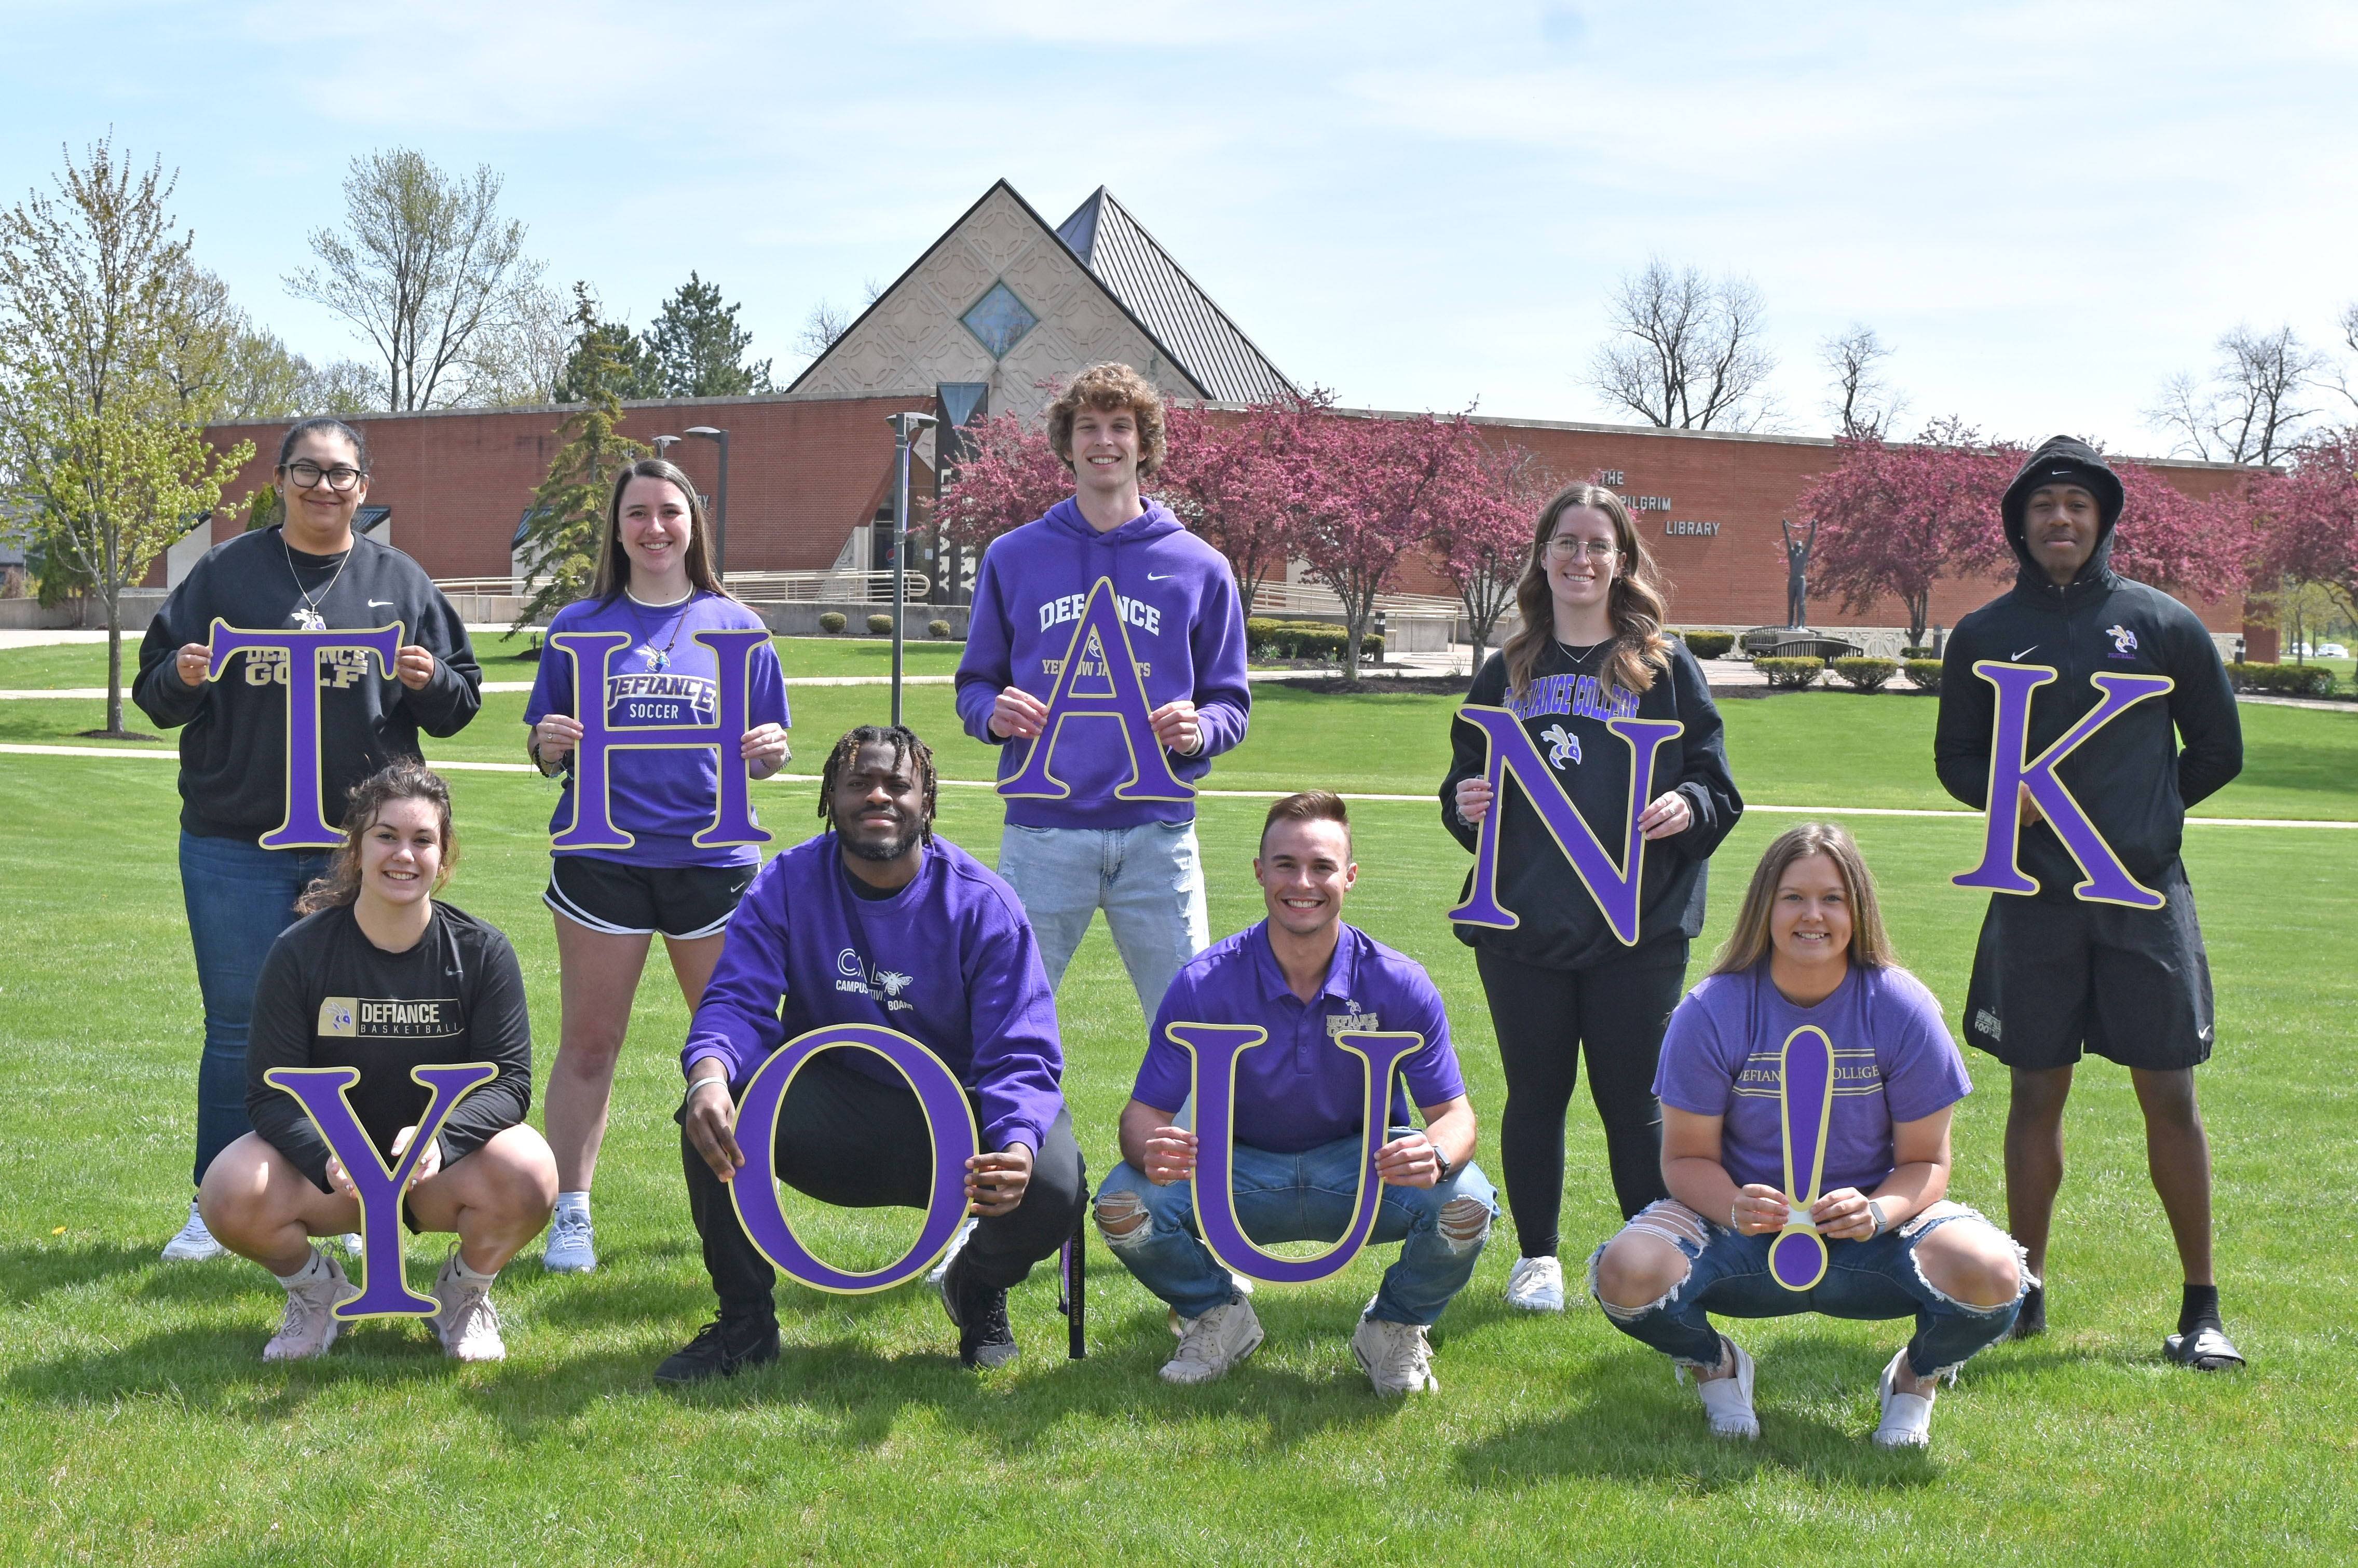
(1728, 1274)
(1307, 1196)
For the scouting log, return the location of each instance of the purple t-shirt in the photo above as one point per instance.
(948, 960)
(1893, 1061)
(1298, 1089)
(663, 798)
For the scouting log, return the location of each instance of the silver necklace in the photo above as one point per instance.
(658, 659)
(308, 618)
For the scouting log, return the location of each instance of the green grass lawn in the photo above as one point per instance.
(138, 1424)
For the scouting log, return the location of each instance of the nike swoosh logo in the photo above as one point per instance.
(380, 604)
(2019, 652)
(1166, 576)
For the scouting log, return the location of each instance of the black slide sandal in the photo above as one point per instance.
(2206, 1349)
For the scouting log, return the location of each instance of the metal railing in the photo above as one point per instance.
(1316, 599)
(843, 587)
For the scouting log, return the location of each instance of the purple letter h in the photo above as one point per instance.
(594, 826)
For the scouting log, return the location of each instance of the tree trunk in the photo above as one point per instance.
(1358, 608)
(1920, 611)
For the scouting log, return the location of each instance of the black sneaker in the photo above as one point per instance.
(722, 1348)
(2030, 1322)
(980, 1315)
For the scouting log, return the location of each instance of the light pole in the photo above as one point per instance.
(720, 503)
(663, 444)
(904, 430)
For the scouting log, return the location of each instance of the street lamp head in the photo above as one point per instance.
(707, 431)
(663, 444)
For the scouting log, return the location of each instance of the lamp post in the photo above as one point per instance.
(663, 444)
(904, 430)
(720, 503)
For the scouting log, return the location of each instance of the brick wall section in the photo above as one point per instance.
(803, 472)
(806, 469)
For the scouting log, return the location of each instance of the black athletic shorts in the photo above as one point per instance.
(2132, 985)
(682, 901)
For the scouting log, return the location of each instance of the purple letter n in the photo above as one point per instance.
(1615, 888)
(2107, 880)
(593, 825)
(305, 827)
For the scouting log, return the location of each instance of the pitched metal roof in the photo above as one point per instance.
(1139, 273)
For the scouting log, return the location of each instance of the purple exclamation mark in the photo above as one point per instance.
(1805, 1099)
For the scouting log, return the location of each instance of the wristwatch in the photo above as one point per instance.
(1441, 1167)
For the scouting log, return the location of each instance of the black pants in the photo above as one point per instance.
(852, 1142)
(1544, 1020)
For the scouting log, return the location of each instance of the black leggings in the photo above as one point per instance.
(1543, 1019)
(854, 1141)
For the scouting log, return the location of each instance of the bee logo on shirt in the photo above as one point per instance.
(2123, 640)
(894, 983)
(1351, 1022)
(1563, 746)
(335, 1017)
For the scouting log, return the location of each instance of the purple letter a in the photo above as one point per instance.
(305, 828)
(2108, 881)
(1615, 888)
(593, 825)
(1098, 680)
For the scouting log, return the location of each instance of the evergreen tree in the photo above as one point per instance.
(633, 373)
(568, 519)
(698, 348)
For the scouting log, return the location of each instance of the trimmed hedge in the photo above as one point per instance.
(1924, 675)
(1708, 644)
(937, 628)
(1866, 675)
(880, 625)
(2298, 680)
(832, 621)
(1272, 639)
(1915, 651)
(1790, 675)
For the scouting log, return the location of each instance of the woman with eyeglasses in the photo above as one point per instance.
(1561, 982)
(309, 571)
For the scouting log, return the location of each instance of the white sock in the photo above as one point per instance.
(573, 1203)
(314, 1269)
(458, 1262)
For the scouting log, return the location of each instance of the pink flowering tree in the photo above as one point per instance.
(1228, 478)
(1482, 544)
(1008, 477)
(1895, 520)
(2307, 520)
(1373, 491)
(2175, 542)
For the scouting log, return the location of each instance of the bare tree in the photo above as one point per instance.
(821, 329)
(2245, 413)
(2333, 376)
(1686, 352)
(1863, 404)
(521, 360)
(426, 268)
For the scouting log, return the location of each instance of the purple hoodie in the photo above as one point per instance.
(948, 960)
(1185, 624)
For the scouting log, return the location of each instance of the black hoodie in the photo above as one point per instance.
(2129, 776)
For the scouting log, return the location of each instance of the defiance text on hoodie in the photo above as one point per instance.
(1178, 603)
(2129, 776)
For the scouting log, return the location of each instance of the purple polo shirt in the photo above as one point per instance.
(1298, 1089)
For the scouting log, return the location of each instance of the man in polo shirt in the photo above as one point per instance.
(1304, 976)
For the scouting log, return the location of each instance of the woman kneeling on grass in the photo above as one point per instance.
(374, 935)
(1810, 951)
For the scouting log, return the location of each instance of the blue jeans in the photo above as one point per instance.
(239, 897)
(1307, 1196)
(1149, 880)
(1728, 1274)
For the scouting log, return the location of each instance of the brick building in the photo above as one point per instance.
(999, 305)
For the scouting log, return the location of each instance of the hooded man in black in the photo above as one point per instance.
(2053, 971)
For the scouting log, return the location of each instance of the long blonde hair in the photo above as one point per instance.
(1639, 646)
(1747, 944)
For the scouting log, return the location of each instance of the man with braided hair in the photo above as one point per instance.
(876, 921)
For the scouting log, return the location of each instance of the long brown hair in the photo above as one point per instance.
(395, 781)
(613, 573)
(1747, 944)
(1635, 603)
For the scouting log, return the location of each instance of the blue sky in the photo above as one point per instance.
(2045, 208)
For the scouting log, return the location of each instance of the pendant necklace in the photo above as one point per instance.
(658, 659)
(308, 618)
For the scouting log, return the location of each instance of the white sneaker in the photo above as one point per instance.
(310, 1323)
(949, 1256)
(1394, 1355)
(469, 1324)
(1907, 1418)
(1728, 1400)
(194, 1243)
(350, 1242)
(572, 1240)
(1210, 1344)
(1536, 1285)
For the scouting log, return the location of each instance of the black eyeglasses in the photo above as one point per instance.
(306, 474)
